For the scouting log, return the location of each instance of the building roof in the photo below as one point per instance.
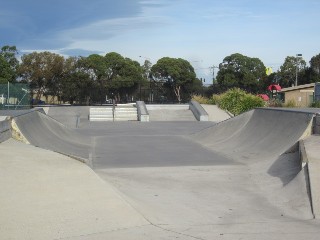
(309, 85)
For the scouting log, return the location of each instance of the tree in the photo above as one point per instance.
(176, 72)
(43, 71)
(146, 69)
(97, 65)
(314, 71)
(315, 63)
(77, 81)
(116, 75)
(8, 64)
(241, 71)
(288, 70)
(5, 71)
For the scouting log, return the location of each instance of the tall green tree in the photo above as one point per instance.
(117, 76)
(177, 72)
(241, 71)
(77, 82)
(314, 71)
(123, 75)
(8, 64)
(5, 71)
(97, 65)
(291, 67)
(43, 71)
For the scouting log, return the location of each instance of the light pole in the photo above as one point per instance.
(297, 56)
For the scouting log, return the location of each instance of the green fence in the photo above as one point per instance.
(15, 96)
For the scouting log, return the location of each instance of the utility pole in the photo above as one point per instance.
(297, 56)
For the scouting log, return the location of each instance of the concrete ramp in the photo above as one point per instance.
(266, 141)
(257, 133)
(43, 131)
(70, 116)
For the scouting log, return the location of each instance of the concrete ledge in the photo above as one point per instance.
(310, 156)
(5, 129)
(167, 107)
(198, 111)
(316, 125)
(143, 114)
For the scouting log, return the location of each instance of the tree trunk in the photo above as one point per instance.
(177, 92)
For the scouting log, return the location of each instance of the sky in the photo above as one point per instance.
(203, 32)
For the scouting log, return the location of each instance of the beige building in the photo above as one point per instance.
(301, 95)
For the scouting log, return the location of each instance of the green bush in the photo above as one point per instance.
(315, 104)
(290, 104)
(214, 100)
(200, 99)
(238, 101)
(275, 103)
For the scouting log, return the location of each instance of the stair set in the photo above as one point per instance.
(110, 113)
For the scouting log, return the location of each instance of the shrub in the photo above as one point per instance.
(290, 104)
(275, 103)
(214, 100)
(238, 101)
(200, 99)
(315, 104)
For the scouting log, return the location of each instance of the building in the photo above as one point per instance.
(301, 95)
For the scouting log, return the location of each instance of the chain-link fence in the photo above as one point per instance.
(15, 96)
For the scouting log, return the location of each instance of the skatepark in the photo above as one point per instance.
(184, 172)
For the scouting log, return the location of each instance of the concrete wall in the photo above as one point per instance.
(316, 125)
(143, 114)
(198, 111)
(310, 156)
(5, 129)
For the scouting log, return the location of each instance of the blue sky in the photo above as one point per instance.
(200, 31)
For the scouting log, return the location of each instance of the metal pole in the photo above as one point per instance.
(8, 94)
(140, 90)
(297, 55)
(296, 82)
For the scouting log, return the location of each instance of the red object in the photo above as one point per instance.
(264, 97)
(274, 87)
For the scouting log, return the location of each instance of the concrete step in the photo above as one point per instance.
(101, 114)
(126, 116)
(101, 119)
(120, 114)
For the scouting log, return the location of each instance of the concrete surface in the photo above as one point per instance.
(143, 114)
(171, 115)
(256, 134)
(45, 132)
(238, 179)
(5, 129)
(45, 195)
(198, 111)
(70, 116)
(166, 112)
(215, 113)
(312, 150)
